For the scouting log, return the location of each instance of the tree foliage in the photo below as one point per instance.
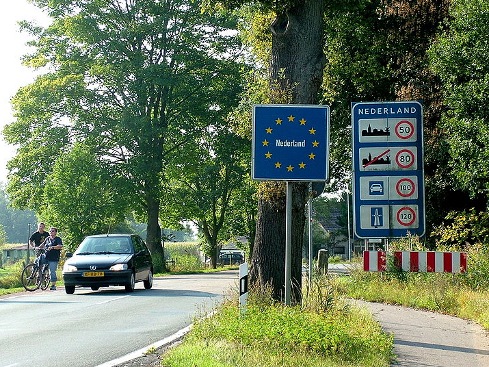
(15, 224)
(458, 58)
(133, 81)
(82, 197)
(205, 184)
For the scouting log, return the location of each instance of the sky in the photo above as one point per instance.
(13, 74)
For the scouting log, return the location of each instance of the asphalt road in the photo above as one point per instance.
(86, 329)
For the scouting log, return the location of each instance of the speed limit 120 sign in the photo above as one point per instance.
(388, 179)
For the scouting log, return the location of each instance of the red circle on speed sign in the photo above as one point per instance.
(406, 216)
(405, 187)
(405, 158)
(404, 129)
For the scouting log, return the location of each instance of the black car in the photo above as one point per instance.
(110, 259)
(232, 258)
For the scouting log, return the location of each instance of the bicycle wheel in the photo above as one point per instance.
(30, 277)
(46, 278)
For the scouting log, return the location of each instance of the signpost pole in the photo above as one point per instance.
(288, 243)
(309, 219)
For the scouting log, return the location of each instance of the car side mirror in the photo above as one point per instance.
(69, 254)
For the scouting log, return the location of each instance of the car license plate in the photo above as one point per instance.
(93, 274)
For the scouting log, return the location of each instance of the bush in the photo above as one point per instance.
(477, 276)
(462, 229)
(183, 256)
(10, 275)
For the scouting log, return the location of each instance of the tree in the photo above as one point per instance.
(133, 81)
(457, 58)
(205, 181)
(296, 62)
(377, 50)
(82, 199)
(17, 224)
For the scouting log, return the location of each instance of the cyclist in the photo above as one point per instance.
(53, 245)
(39, 236)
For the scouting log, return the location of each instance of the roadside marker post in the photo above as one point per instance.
(243, 286)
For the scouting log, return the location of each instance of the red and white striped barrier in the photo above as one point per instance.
(417, 261)
(374, 261)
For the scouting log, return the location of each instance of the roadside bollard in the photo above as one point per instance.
(243, 286)
(323, 255)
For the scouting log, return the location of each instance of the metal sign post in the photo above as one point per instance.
(288, 244)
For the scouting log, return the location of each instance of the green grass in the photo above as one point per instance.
(325, 333)
(10, 278)
(438, 292)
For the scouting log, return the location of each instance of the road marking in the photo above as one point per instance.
(111, 300)
(141, 352)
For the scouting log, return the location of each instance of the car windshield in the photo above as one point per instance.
(104, 245)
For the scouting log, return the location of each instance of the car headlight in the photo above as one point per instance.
(67, 268)
(118, 267)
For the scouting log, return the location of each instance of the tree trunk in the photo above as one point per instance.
(153, 236)
(296, 73)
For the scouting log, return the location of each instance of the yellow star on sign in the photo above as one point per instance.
(302, 165)
(269, 130)
(312, 156)
(278, 164)
(268, 155)
(291, 118)
(302, 121)
(265, 143)
(290, 168)
(312, 131)
(278, 121)
(315, 143)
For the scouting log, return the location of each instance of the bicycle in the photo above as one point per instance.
(35, 276)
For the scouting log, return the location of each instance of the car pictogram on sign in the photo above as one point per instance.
(376, 187)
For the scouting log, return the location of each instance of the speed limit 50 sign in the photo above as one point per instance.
(388, 178)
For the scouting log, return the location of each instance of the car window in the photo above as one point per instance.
(139, 244)
(121, 245)
(105, 245)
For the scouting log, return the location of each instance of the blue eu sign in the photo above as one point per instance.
(290, 142)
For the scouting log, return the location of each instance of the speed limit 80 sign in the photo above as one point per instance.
(388, 178)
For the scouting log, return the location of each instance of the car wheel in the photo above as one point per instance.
(94, 288)
(69, 289)
(132, 284)
(148, 283)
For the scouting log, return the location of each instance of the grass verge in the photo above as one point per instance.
(437, 292)
(274, 335)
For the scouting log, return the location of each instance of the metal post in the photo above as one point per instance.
(349, 230)
(288, 243)
(309, 209)
(28, 243)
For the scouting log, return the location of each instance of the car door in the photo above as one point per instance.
(142, 258)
